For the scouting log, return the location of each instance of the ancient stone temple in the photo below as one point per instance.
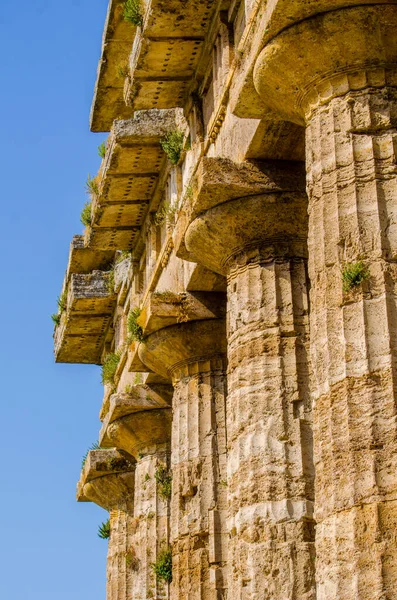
(237, 281)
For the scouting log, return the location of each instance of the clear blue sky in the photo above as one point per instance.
(49, 548)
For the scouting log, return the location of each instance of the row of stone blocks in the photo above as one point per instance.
(299, 428)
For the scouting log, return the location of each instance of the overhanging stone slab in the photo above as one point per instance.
(106, 478)
(108, 102)
(128, 178)
(142, 397)
(80, 336)
(83, 259)
(166, 53)
(163, 309)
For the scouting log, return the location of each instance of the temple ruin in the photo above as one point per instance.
(237, 281)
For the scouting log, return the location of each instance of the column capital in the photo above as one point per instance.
(138, 421)
(107, 479)
(252, 229)
(332, 53)
(170, 351)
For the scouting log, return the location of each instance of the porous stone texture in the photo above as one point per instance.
(193, 355)
(262, 251)
(350, 113)
(278, 439)
(108, 479)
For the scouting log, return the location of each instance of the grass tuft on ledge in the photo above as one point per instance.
(132, 12)
(353, 274)
(104, 530)
(163, 565)
(172, 144)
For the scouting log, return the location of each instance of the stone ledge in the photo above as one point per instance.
(172, 35)
(80, 336)
(163, 309)
(137, 431)
(108, 102)
(106, 479)
(129, 176)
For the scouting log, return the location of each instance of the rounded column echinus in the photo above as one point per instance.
(193, 356)
(336, 73)
(259, 243)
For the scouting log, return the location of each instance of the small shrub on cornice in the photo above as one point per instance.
(109, 368)
(164, 481)
(62, 300)
(134, 330)
(104, 530)
(132, 12)
(163, 565)
(91, 185)
(165, 214)
(85, 216)
(353, 275)
(56, 318)
(172, 144)
(94, 446)
(102, 150)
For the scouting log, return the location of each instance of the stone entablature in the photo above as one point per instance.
(252, 312)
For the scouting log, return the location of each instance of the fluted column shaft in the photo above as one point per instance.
(120, 579)
(192, 355)
(198, 506)
(270, 467)
(151, 522)
(352, 186)
(343, 87)
(259, 243)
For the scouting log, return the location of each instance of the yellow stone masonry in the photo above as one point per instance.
(236, 280)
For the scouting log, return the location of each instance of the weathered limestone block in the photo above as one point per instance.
(345, 91)
(108, 480)
(80, 336)
(139, 423)
(108, 102)
(259, 243)
(192, 355)
(128, 177)
(166, 52)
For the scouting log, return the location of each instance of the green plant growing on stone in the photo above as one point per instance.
(353, 274)
(104, 530)
(94, 446)
(56, 318)
(102, 150)
(91, 186)
(134, 330)
(62, 301)
(62, 304)
(165, 213)
(163, 565)
(172, 144)
(85, 215)
(132, 12)
(109, 368)
(164, 481)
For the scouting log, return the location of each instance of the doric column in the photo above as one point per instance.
(259, 243)
(193, 356)
(139, 423)
(108, 480)
(337, 74)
